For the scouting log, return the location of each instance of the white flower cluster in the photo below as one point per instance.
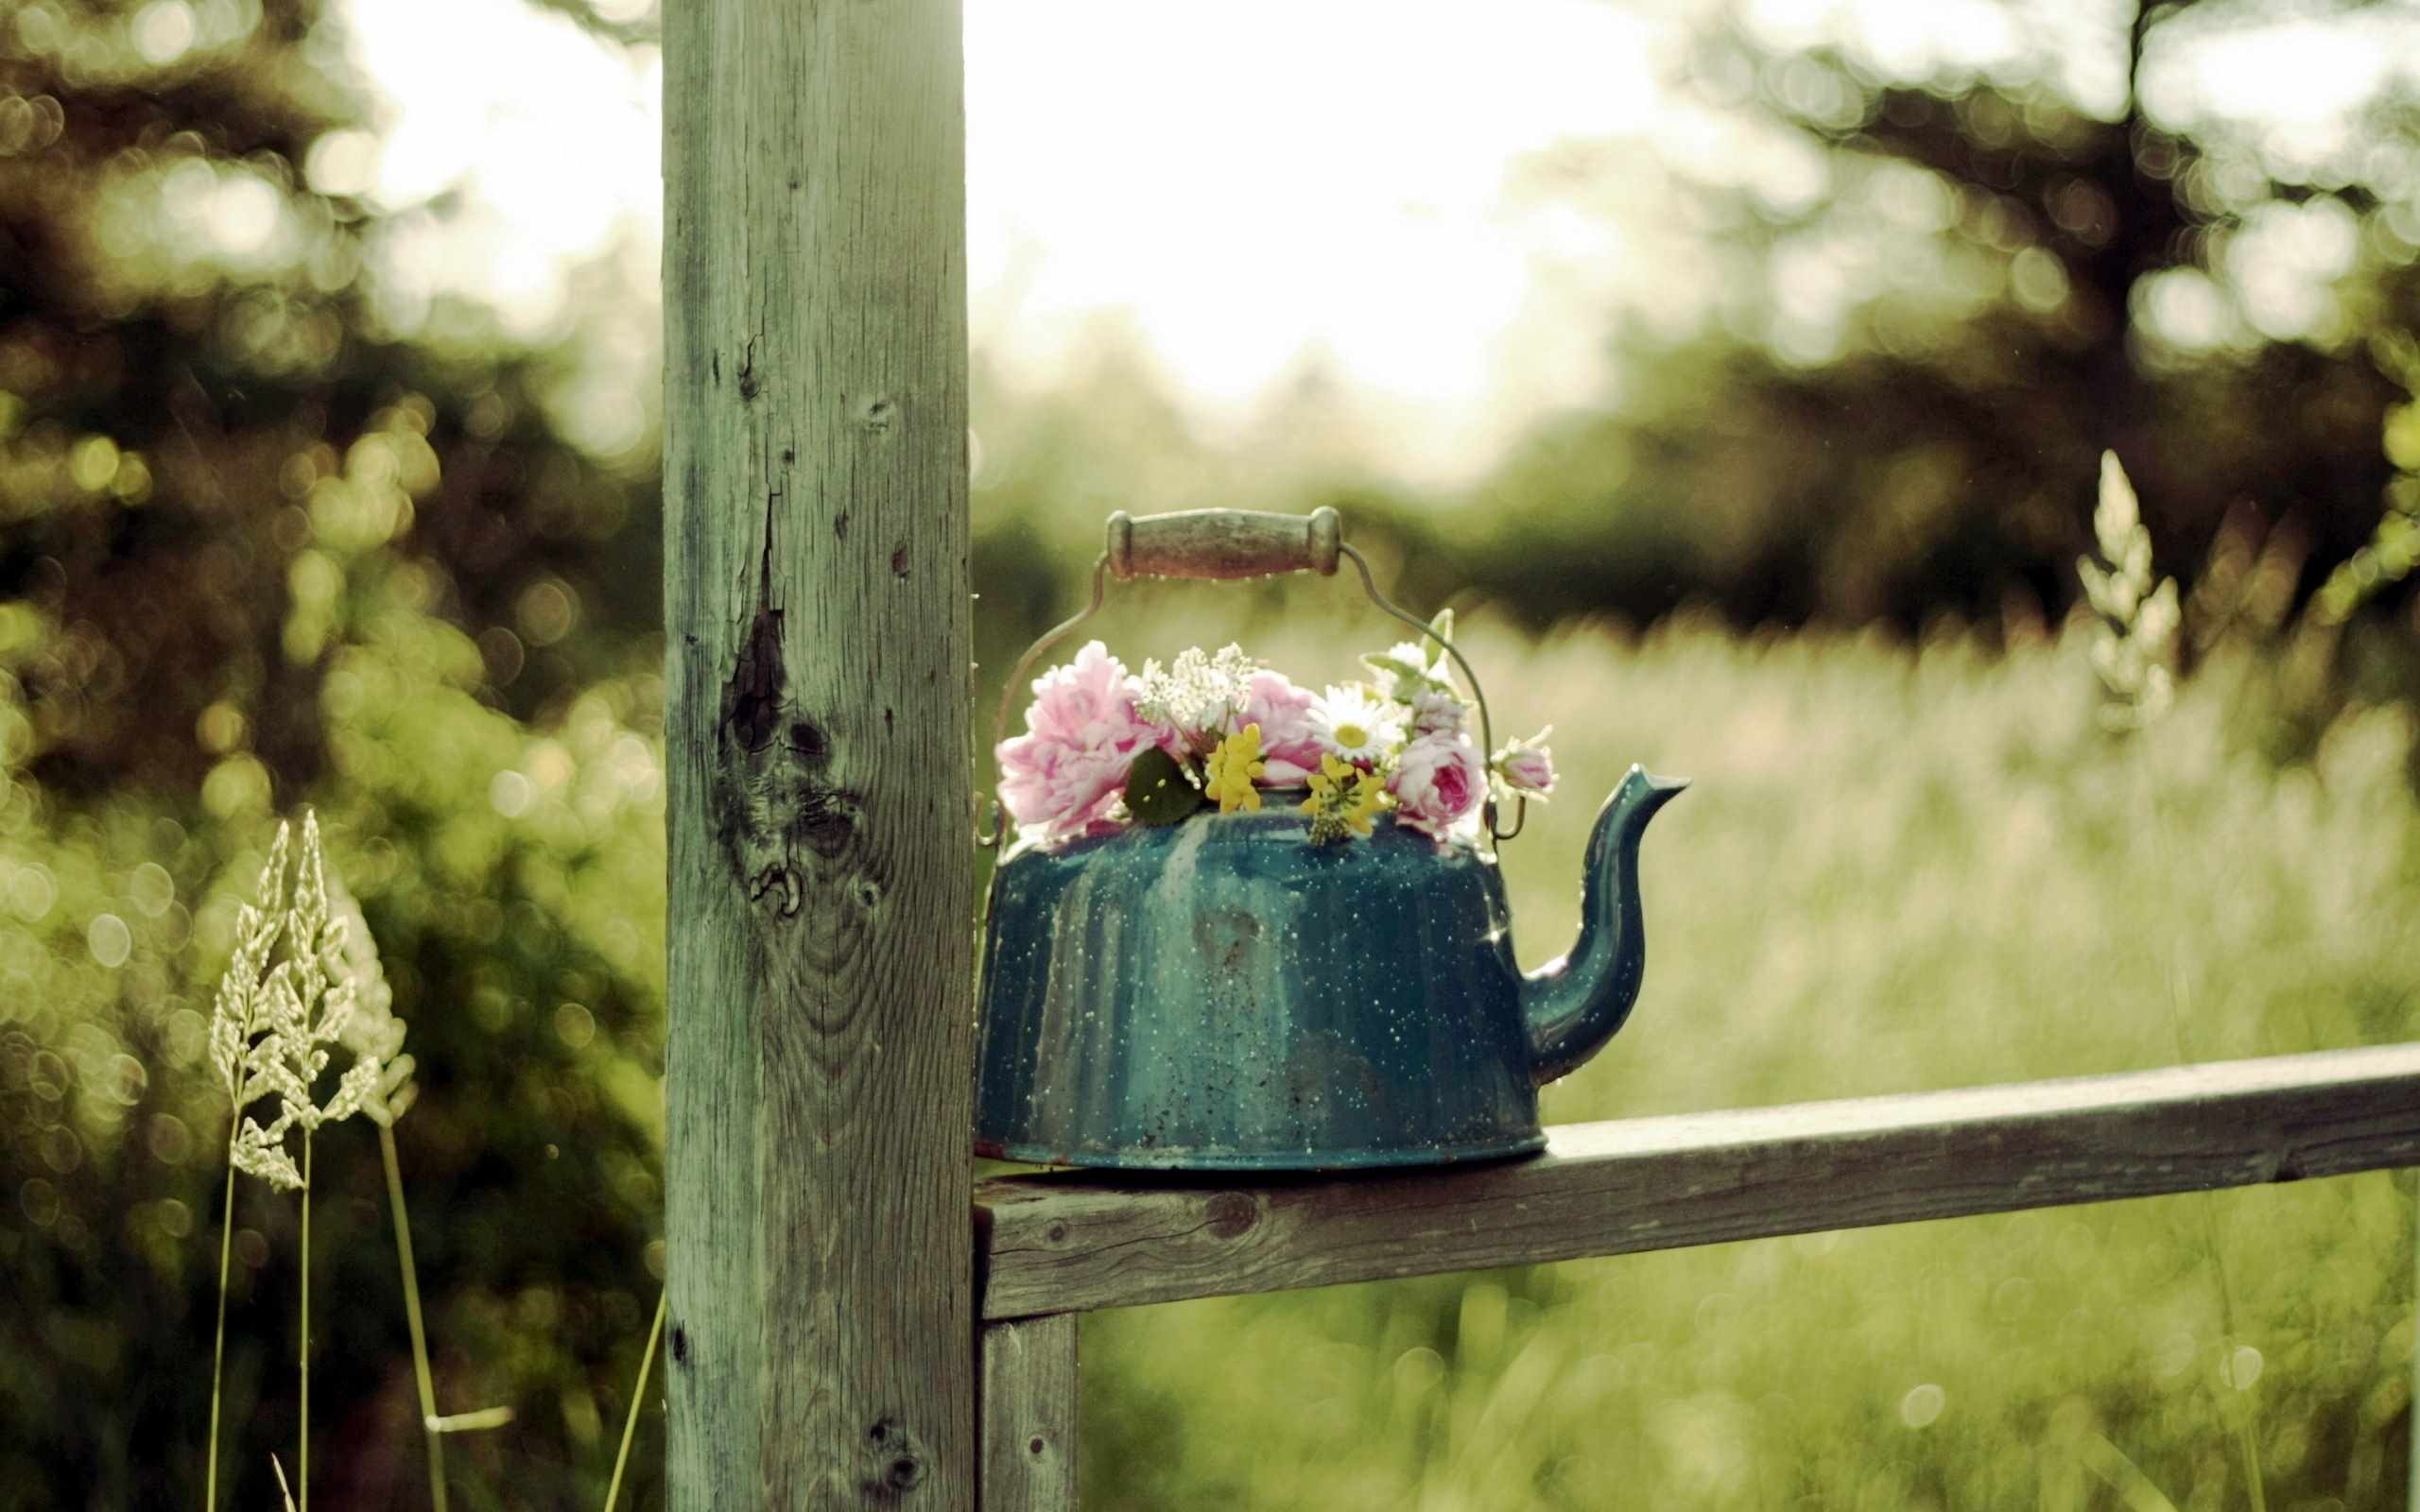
(1199, 694)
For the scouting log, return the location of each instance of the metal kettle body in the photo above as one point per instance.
(1222, 994)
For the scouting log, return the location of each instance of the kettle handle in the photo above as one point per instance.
(1224, 544)
(1217, 545)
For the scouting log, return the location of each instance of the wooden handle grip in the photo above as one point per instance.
(1224, 544)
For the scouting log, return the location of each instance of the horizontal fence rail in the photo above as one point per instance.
(1067, 1242)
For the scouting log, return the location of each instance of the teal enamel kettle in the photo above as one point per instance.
(1220, 995)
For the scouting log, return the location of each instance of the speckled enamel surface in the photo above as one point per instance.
(1224, 995)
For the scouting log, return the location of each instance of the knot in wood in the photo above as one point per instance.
(895, 1461)
(788, 828)
(877, 413)
(1232, 1213)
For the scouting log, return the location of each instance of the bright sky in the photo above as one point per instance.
(1247, 182)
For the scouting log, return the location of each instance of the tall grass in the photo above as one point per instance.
(1901, 868)
(275, 1014)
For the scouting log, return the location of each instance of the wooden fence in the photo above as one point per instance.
(1052, 1246)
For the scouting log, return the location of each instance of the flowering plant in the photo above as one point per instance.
(1104, 747)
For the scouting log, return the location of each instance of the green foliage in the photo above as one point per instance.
(271, 534)
(1159, 793)
(2393, 549)
(514, 877)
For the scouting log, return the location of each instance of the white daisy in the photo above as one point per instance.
(1356, 725)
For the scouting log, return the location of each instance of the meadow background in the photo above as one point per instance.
(1737, 372)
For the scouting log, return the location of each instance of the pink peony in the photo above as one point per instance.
(1526, 766)
(1081, 735)
(1289, 730)
(1438, 779)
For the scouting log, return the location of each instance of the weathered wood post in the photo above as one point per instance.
(820, 1341)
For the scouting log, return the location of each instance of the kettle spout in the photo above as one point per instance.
(1574, 1005)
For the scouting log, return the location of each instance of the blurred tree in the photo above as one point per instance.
(214, 423)
(1946, 287)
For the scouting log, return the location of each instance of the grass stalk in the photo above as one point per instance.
(638, 1399)
(2125, 1476)
(413, 1315)
(2135, 657)
(218, 1345)
(2411, 1489)
(2180, 1003)
(303, 1444)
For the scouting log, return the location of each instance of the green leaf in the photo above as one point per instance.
(1407, 675)
(1157, 792)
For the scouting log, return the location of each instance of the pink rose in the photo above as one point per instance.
(1526, 766)
(1438, 779)
(1081, 735)
(1067, 790)
(1289, 740)
(1436, 711)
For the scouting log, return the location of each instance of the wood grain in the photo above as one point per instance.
(1028, 1409)
(1065, 1241)
(819, 1342)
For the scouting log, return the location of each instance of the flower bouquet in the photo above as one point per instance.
(1105, 749)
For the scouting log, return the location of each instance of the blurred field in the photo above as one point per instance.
(1901, 868)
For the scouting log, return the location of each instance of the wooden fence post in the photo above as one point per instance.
(820, 1344)
(1029, 1414)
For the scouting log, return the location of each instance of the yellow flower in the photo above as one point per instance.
(1344, 800)
(1227, 776)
